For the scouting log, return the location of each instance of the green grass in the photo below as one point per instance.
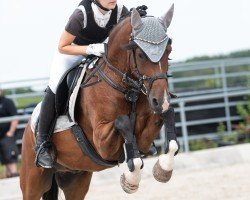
(200, 144)
(23, 102)
(2, 169)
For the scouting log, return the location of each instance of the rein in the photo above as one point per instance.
(135, 85)
(125, 78)
(131, 95)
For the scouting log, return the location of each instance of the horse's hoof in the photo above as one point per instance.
(160, 174)
(127, 187)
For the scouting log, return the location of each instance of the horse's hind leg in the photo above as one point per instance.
(74, 186)
(34, 181)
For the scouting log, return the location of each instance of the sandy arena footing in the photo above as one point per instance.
(214, 174)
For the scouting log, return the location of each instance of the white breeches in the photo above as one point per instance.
(60, 64)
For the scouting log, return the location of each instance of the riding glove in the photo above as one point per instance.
(95, 49)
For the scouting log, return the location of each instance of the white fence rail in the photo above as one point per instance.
(220, 72)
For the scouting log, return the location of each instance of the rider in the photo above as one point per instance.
(87, 28)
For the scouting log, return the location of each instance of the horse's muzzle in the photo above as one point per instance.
(159, 106)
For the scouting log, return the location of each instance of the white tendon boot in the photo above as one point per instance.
(130, 180)
(163, 168)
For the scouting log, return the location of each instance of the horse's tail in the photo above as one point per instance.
(52, 194)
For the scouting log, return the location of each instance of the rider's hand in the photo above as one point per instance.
(10, 134)
(95, 49)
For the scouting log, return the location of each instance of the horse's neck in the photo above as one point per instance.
(119, 37)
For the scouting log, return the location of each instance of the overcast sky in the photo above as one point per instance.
(30, 30)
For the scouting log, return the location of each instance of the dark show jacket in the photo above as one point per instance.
(7, 109)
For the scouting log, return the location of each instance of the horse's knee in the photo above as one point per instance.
(144, 146)
(122, 123)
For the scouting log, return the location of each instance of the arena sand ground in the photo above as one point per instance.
(215, 174)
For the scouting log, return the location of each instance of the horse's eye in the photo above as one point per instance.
(142, 55)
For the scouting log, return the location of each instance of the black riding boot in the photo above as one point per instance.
(45, 126)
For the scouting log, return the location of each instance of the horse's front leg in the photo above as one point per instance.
(163, 168)
(131, 178)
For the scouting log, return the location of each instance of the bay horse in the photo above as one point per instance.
(113, 123)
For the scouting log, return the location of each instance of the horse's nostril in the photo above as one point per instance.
(155, 102)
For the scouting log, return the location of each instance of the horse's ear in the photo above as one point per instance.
(136, 21)
(167, 18)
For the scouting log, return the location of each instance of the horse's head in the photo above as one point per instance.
(148, 48)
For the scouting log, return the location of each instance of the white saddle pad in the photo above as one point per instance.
(63, 122)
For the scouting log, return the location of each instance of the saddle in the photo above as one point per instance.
(69, 83)
(66, 95)
(67, 90)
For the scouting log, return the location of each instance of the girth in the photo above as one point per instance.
(89, 150)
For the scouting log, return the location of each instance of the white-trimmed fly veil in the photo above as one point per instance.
(150, 33)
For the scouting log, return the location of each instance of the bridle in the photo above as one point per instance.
(143, 78)
(137, 85)
(133, 86)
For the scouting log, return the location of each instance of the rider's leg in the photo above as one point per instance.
(46, 123)
(60, 64)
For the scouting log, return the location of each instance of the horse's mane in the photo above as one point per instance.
(119, 24)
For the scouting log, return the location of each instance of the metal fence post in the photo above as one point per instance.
(217, 80)
(170, 84)
(226, 98)
(13, 93)
(184, 126)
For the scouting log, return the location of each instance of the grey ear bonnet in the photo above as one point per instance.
(149, 33)
(151, 38)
